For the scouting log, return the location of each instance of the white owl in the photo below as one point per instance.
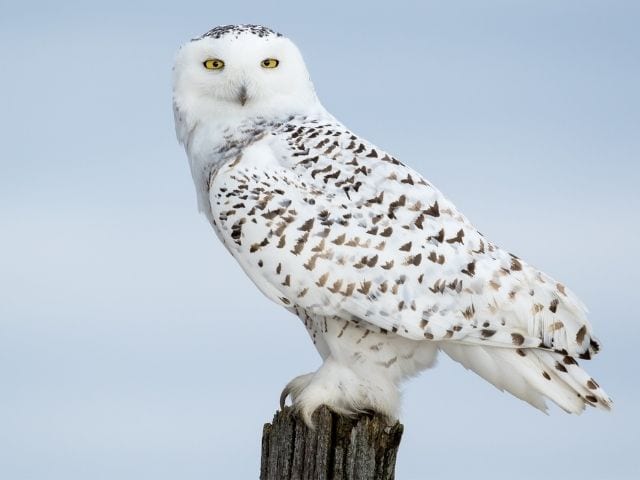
(381, 268)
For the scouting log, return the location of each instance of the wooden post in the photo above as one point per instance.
(339, 448)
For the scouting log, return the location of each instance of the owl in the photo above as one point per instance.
(381, 268)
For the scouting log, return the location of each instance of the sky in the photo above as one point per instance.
(131, 344)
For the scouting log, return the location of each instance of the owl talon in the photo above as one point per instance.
(283, 396)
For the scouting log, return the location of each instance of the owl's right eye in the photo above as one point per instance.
(213, 64)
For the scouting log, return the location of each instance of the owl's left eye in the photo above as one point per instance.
(213, 64)
(270, 63)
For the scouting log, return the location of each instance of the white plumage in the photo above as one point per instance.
(379, 265)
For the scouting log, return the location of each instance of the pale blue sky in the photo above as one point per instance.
(131, 344)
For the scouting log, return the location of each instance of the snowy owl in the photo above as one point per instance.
(381, 268)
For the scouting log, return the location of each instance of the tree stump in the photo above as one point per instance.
(339, 448)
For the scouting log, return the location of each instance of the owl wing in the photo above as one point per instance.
(324, 222)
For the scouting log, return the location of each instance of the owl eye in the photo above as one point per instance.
(213, 64)
(270, 63)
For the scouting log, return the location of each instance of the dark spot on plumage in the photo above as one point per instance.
(349, 291)
(393, 206)
(285, 300)
(487, 333)
(364, 287)
(438, 238)
(469, 312)
(546, 375)
(339, 240)
(373, 230)
(260, 263)
(320, 170)
(324, 233)
(287, 281)
(257, 246)
(377, 199)
(471, 269)
(361, 148)
(433, 210)
(372, 154)
(386, 232)
(515, 264)
(322, 143)
(438, 286)
(595, 346)
(582, 332)
(560, 367)
(282, 241)
(300, 242)
(554, 307)
(271, 214)
(428, 335)
(408, 180)
(458, 238)
(521, 352)
(406, 247)
(372, 261)
(319, 247)
(330, 176)
(456, 285)
(311, 263)
(435, 258)
(414, 260)
(585, 355)
(480, 248)
(309, 160)
(307, 225)
(388, 265)
(486, 324)
(336, 286)
(322, 280)
(330, 148)
(591, 398)
(568, 360)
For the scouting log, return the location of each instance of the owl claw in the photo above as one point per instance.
(294, 388)
(283, 396)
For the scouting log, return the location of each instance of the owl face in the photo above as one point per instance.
(241, 73)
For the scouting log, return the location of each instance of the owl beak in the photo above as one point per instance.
(242, 95)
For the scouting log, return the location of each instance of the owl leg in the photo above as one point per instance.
(343, 390)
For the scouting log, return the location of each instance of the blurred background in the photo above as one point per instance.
(124, 354)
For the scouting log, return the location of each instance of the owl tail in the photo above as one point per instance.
(532, 374)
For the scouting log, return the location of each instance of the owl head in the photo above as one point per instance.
(239, 71)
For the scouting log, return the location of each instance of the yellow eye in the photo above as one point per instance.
(270, 63)
(213, 64)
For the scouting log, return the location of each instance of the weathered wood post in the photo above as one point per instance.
(339, 448)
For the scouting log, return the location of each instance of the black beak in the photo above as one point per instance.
(242, 95)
